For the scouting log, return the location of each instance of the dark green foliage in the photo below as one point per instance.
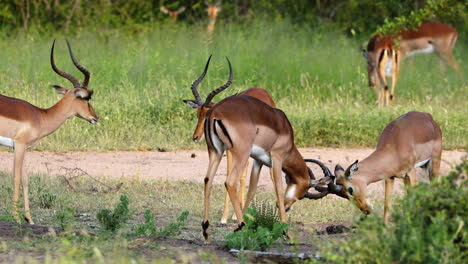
(262, 228)
(428, 226)
(112, 221)
(349, 15)
(433, 9)
(149, 228)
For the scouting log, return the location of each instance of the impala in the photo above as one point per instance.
(23, 124)
(247, 127)
(198, 103)
(172, 13)
(384, 56)
(411, 141)
(213, 10)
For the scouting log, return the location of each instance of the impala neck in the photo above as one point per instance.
(376, 167)
(52, 118)
(295, 166)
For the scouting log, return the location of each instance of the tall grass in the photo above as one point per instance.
(140, 77)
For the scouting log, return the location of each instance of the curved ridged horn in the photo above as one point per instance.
(335, 188)
(65, 75)
(80, 67)
(320, 186)
(197, 82)
(220, 89)
(324, 168)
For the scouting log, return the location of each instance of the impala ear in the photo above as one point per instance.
(351, 170)
(191, 103)
(60, 90)
(164, 9)
(364, 53)
(339, 171)
(83, 94)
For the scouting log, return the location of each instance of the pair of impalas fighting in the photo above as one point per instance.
(248, 125)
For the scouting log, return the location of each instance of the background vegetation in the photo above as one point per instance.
(315, 74)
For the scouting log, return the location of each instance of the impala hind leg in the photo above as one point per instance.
(239, 162)
(434, 169)
(411, 179)
(241, 190)
(254, 176)
(226, 197)
(388, 193)
(395, 72)
(215, 159)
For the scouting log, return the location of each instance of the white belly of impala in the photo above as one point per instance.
(429, 49)
(4, 141)
(421, 163)
(259, 154)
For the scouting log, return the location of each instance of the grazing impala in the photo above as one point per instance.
(411, 141)
(213, 10)
(384, 56)
(247, 127)
(23, 124)
(260, 94)
(173, 14)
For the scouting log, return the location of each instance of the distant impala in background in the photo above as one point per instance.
(384, 56)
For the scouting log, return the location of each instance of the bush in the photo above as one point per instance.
(428, 226)
(115, 220)
(149, 228)
(262, 228)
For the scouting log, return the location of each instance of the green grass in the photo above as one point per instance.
(317, 76)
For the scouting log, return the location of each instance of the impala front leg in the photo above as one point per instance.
(254, 176)
(388, 193)
(17, 172)
(212, 168)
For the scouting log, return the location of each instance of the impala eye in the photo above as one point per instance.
(350, 190)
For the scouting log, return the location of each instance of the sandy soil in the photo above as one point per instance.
(179, 165)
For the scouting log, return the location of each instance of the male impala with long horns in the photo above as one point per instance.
(414, 140)
(23, 124)
(247, 127)
(384, 54)
(260, 94)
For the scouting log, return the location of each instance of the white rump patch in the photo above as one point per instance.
(4, 141)
(429, 49)
(217, 143)
(260, 154)
(291, 192)
(421, 163)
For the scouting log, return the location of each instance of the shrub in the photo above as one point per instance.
(112, 221)
(149, 228)
(262, 228)
(428, 226)
(65, 217)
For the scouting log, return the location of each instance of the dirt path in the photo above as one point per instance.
(177, 165)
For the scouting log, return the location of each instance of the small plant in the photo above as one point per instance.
(262, 228)
(47, 200)
(65, 217)
(112, 221)
(41, 195)
(148, 228)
